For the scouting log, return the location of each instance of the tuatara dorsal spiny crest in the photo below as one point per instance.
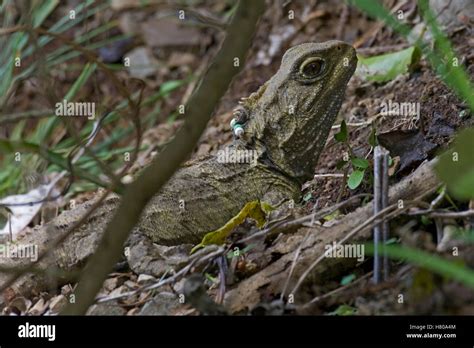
(285, 126)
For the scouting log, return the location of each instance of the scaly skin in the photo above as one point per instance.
(286, 123)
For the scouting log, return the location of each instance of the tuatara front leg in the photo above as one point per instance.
(212, 203)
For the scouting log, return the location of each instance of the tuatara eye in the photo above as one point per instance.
(312, 67)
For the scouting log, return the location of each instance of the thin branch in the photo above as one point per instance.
(388, 213)
(139, 193)
(178, 275)
(283, 225)
(443, 214)
(335, 291)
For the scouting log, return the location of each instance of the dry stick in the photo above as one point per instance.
(335, 291)
(300, 247)
(443, 214)
(330, 175)
(380, 202)
(181, 273)
(18, 271)
(342, 22)
(369, 122)
(271, 278)
(378, 155)
(56, 242)
(435, 202)
(391, 212)
(293, 264)
(300, 221)
(349, 235)
(385, 226)
(138, 194)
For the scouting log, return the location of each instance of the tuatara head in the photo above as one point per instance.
(290, 117)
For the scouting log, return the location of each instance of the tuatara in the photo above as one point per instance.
(282, 129)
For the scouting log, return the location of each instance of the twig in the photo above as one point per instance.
(140, 192)
(360, 124)
(342, 21)
(56, 242)
(387, 213)
(181, 273)
(334, 175)
(335, 291)
(380, 203)
(300, 221)
(293, 263)
(435, 202)
(443, 214)
(368, 51)
(421, 183)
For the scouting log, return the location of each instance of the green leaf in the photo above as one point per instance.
(348, 279)
(86, 73)
(342, 135)
(344, 310)
(391, 241)
(456, 166)
(373, 138)
(425, 220)
(440, 55)
(388, 66)
(169, 86)
(42, 11)
(332, 216)
(360, 162)
(355, 179)
(341, 164)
